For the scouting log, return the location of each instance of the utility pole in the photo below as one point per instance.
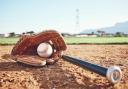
(77, 28)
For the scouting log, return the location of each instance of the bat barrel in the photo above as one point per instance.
(113, 73)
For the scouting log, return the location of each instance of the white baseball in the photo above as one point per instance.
(44, 50)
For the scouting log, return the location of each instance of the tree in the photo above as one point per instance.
(119, 34)
(101, 33)
(92, 33)
(30, 32)
(12, 34)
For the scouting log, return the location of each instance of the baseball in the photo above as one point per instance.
(44, 50)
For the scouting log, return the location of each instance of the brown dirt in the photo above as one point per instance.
(64, 75)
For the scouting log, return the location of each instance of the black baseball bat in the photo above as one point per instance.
(113, 73)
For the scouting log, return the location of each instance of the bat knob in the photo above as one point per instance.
(114, 74)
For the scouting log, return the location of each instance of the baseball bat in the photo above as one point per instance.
(112, 73)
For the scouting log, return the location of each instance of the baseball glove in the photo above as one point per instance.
(25, 50)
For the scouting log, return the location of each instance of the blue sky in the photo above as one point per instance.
(37, 15)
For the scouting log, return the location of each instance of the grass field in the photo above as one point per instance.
(8, 41)
(78, 40)
(97, 40)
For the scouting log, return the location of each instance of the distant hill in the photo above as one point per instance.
(118, 27)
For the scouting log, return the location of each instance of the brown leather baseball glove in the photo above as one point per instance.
(25, 51)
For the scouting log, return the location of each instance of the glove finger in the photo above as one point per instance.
(21, 46)
(56, 44)
(56, 56)
(61, 43)
(50, 61)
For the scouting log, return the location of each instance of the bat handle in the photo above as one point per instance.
(114, 74)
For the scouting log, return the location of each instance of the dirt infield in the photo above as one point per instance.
(64, 75)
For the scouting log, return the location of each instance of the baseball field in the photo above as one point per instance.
(78, 40)
(65, 75)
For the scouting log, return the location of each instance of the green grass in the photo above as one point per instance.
(78, 40)
(96, 40)
(8, 41)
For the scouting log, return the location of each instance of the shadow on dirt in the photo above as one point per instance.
(53, 76)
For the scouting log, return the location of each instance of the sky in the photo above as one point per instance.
(37, 15)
